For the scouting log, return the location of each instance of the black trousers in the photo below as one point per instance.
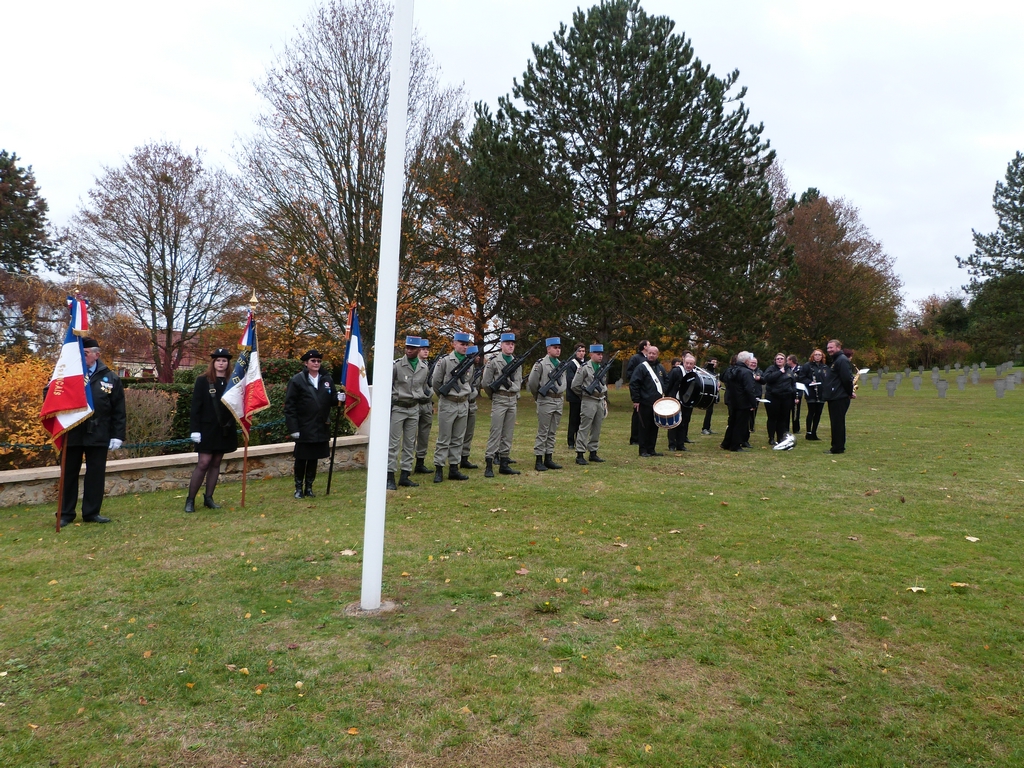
(95, 477)
(813, 417)
(738, 431)
(634, 429)
(796, 416)
(648, 437)
(778, 414)
(837, 421)
(574, 423)
(707, 417)
(677, 436)
(753, 415)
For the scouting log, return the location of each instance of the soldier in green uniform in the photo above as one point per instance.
(549, 407)
(593, 406)
(426, 405)
(452, 410)
(475, 374)
(503, 407)
(409, 375)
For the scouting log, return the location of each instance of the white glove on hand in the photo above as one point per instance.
(114, 444)
(295, 435)
(197, 437)
(341, 397)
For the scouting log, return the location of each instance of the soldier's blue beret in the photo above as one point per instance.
(553, 341)
(463, 337)
(470, 351)
(423, 342)
(597, 347)
(508, 337)
(412, 341)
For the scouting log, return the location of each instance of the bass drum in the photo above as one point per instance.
(701, 392)
(668, 414)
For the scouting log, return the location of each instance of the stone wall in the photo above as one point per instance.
(164, 473)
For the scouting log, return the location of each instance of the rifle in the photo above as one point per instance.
(430, 375)
(555, 377)
(460, 369)
(509, 370)
(600, 375)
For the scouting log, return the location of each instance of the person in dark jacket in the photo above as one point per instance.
(213, 428)
(648, 385)
(741, 397)
(627, 376)
(574, 401)
(780, 391)
(813, 376)
(759, 385)
(794, 364)
(103, 431)
(711, 366)
(838, 393)
(678, 380)
(307, 414)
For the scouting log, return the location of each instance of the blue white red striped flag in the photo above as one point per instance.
(68, 400)
(79, 309)
(246, 393)
(353, 377)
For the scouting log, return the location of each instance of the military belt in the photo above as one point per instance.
(459, 399)
(406, 403)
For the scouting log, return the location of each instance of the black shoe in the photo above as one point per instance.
(539, 465)
(209, 503)
(595, 459)
(66, 521)
(746, 445)
(681, 449)
(814, 438)
(706, 432)
(190, 505)
(505, 469)
(580, 460)
(454, 474)
(308, 493)
(550, 462)
(96, 519)
(657, 454)
(438, 475)
(772, 442)
(405, 482)
(391, 482)
(646, 455)
(833, 451)
(298, 491)
(467, 464)
(489, 468)
(421, 468)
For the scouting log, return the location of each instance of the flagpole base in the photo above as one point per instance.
(356, 609)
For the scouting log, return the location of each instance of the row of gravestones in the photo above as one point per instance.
(1009, 382)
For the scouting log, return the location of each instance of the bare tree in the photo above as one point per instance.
(314, 169)
(156, 230)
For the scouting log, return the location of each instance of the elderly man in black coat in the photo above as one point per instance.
(647, 385)
(838, 393)
(742, 393)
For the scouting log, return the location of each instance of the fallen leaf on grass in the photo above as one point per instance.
(522, 571)
(916, 589)
(405, 574)
(231, 667)
(347, 552)
(959, 584)
(142, 701)
(51, 583)
(872, 492)
(557, 670)
(499, 509)
(292, 646)
(765, 498)
(725, 503)
(675, 530)
(466, 711)
(33, 727)
(299, 685)
(903, 500)
(146, 654)
(190, 685)
(497, 594)
(260, 689)
(244, 670)
(621, 544)
(352, 731)
(853, 538)
(972, 539)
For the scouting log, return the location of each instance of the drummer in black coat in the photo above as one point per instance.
(213, 428)
(648, 385)
(678, 381)
(307, 414)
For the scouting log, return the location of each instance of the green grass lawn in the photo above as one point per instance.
(701, 609)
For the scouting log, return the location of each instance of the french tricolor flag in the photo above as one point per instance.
(68, 400)
(246, 393)
(79, 309)
(353, 377)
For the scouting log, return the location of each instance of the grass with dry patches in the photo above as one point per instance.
(701, 609)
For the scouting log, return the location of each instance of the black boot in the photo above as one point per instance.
(580, 460)
(391, 481)
(438, 475)
(190, 506)
(405, 482)
(489, 469)
(467, 464)
(549, 462)
(504, 468)
(308, 493)
(421, 468)
(298, 489)
(454, 474)
(539, 465)
(209, 503)
(595, 459)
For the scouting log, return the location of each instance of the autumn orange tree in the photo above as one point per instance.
(21, 395)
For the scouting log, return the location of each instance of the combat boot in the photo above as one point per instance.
(580, 460)
(421, 468)
(505, 469)
(467, 464)
(549, 462)
(539, 464)
(489, 469)
(405, 482)
(391, 482)
(595, 459)
(454, 474)
(438, 475)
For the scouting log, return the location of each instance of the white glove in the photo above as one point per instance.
(197, 437)
(295, 435)
(341, 397)
(115, 444)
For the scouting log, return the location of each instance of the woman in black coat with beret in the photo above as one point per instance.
(307, 414)
(213, 428)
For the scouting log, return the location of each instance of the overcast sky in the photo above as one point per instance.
(910, 110)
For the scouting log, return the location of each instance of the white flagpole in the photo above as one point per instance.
(387, 306)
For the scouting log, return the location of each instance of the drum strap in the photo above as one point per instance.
(657, 381)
